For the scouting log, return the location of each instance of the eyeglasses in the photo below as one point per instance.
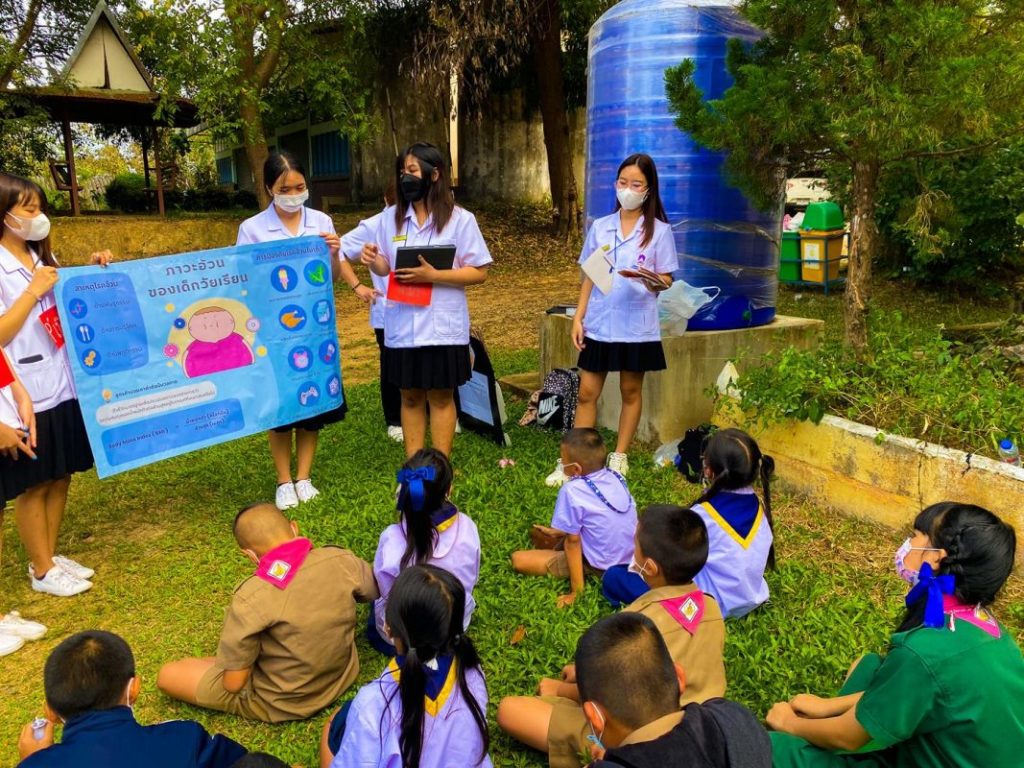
(636, 186)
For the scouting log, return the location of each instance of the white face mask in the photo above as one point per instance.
(33, 230)
(630, 200)
(637, 568)
(291, 203)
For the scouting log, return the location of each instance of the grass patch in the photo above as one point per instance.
(160, 540)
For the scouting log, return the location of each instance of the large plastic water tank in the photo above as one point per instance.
(723, 241)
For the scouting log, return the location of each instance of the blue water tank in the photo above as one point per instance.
(723, 241)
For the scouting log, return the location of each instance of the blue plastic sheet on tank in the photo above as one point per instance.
(722, 239)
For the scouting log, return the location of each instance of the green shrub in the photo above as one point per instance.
(914, 383)
(243, 198)
(127, 193)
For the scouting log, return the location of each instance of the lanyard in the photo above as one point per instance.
(408, 222)
(597, 491)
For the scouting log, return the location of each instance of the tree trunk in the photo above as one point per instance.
(864, 241)
(16, 52)
(255, 146)
(547, 62)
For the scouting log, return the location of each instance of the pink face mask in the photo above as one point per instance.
(908, 575)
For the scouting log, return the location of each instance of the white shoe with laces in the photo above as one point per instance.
(75, 569)
(60, 583)
(556, 478)
(285, 498)
(305, 491)
(10, 643)
(617, 462)
(396, 434)
(13, 625)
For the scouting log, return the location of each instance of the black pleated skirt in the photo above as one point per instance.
(606, 356)
(62, 448)
(435, 367)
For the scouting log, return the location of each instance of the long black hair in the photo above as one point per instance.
(652, 207)
(979, 553)
(420, 528)
(736, 461)
(279, 163)
(425, 611)
(15, 190)
(440, 200)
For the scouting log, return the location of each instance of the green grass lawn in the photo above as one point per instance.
(166, 564)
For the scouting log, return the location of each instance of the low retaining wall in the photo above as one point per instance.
(859, 471)
(675, 399)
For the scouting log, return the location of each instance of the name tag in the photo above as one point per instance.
(51, 323)
(398, 239)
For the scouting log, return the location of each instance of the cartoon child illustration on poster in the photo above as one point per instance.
(213, 336)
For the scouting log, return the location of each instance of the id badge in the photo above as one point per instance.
(51, 323)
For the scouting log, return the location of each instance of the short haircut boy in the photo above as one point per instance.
(257, 526)
(585, 445)
(622, 663)
(88, 671)
(676, 539)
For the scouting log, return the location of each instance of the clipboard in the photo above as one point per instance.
(437, 256)
(600, 268)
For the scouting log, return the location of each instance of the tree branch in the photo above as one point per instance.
(24, 33)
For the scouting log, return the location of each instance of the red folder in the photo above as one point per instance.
(417, 294)
(6, 374)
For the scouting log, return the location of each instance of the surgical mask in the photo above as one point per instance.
(291, 203)
(128, 695)
(33, 230)
(908, 575)
(595, 737)
(629, 199)
(415, 188)
(635, 567)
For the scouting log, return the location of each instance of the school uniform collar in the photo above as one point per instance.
(274, 223)
(97, 720)
(653, 730)
(614, 226)
(9, 262)
(410, 216)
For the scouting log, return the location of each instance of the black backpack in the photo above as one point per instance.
(690, 462)
(556, 404)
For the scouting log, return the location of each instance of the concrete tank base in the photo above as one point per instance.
(675, 399)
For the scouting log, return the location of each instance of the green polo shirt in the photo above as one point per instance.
(939, 698)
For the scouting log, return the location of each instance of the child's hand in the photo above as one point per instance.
(566, 600)
(333, 243)
(27, 742)
(809, 705)
(781, 716)
(569, 673)
(548, 687)
(103, 258)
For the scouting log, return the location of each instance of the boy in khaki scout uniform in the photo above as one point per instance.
(287, 649)
(670, 548)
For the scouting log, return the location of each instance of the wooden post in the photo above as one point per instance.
(145, 158)
(69, 158)
(159, 174)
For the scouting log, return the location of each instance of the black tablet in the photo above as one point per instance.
(438, 256)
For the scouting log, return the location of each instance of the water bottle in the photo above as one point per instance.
(1008, 452)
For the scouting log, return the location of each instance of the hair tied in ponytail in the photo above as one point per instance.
(412, 483)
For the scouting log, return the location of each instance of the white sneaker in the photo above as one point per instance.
(13, 625)
(305, 491)
(285, 497)
(10, 643)
(396, 434)
(60, 583)
(617, 462)
(556, 478)
(75, 569)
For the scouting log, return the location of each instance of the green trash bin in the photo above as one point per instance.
(789, 258)
(823, 216)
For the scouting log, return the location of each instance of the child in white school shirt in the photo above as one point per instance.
(595, 513)
(426, 348)
(620, 331)
(17, 435)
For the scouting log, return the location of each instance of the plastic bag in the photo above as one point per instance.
(666, 454)
(679, 303)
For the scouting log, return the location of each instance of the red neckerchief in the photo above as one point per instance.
(279, 565)
(972, 614)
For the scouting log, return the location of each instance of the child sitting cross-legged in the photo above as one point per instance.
(950, 689)
(428, 708)
(91, 687)
(671, 548)
(630, 691)
(287, 649)
(594, 519)
(432, 530)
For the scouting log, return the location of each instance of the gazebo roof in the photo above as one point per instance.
(99, 105)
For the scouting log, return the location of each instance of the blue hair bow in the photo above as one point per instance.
(931, 588)
(411, 481)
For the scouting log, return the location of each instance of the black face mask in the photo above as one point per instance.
(415, 188)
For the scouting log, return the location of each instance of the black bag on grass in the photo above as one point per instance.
(690, 461)
(556, 405)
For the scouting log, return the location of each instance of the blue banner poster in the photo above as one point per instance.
(177, 353)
